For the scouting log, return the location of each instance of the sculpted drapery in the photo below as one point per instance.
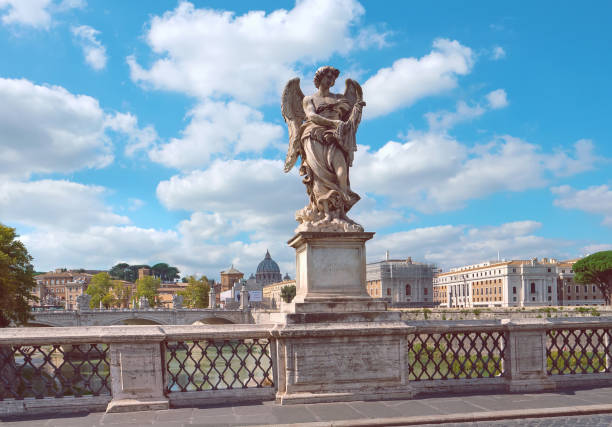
(322, 130)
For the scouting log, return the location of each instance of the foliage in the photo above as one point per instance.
(129, 273)
(147, 287)
(99, 287)
(16, 279)
(596, 269)
(122, 292)
(164, 272)
(120, 271)
(288, 293)
(195, 295)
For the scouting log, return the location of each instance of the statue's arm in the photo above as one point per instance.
(311, 114)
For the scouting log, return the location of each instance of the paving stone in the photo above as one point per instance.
(334, 411)
(174, 414)
(414, 408)
(452, 406)
(143, 417)
(292, 414)
(374, 409)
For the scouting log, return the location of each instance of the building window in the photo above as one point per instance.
(549, 289)
(532, 298)
(408, 289)
(425, 291)
(562, 271)
(514, 299)
(388, 291)
(549, 298)
(514, 291)
(569, 298)
(533, 289)
(514, 270)
(549, 270)
(593, 288)
(577, 289)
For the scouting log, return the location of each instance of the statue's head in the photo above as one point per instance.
(326, 70)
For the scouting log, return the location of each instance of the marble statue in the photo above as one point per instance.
(322, 130)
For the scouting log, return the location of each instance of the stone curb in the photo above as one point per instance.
(461, 418)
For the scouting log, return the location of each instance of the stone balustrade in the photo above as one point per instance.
(127, 368)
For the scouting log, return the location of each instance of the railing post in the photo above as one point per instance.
(525, 364)
(136, 370)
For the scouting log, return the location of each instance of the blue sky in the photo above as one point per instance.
(151, 131)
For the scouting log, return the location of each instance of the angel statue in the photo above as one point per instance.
(322, 130)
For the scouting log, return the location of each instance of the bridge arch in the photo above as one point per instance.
(42, 324)
(213, 320)
(134, 320)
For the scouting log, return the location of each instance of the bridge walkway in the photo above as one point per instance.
(580, 407)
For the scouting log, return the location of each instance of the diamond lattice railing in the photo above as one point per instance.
(215, 365)
(455, 355)
(53, 371)
(578, 350)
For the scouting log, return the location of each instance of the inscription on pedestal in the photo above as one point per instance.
(135, 371)
(345, 361)
(530, 361)
(335, 267)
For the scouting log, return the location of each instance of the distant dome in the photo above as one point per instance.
(268, 271)
(268, 265)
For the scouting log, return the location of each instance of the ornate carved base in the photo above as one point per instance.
(342, 361)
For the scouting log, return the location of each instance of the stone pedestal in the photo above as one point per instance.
(334, 342)
(331, 280)
(525, 363)
(335, 362)
(136, 377)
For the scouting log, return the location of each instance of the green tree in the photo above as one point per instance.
(195, 295)
(288, 293)
(99, 288)
(165, 272)
(122, 292)
(147, 287)
(16, 279)
(596, 269)
(119, 271)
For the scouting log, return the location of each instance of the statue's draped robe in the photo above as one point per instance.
(320, 144)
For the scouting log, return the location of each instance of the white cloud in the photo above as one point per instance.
(252, 196)
(49, 204)
(127, 124)
(93, 49)
(217, 128)
(498, 53)
(444, 120)
(410, 79)
(206, 52)
(135, 204)
(34, 13)
(584, 159)
(597, 247)
(497, 99)
(455, 245)
(99, 247)
(414, 174)
(47, 129)
(595, 200)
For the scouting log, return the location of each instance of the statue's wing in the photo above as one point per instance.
(353, 92)
(293, 113)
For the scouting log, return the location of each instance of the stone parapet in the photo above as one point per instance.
(305, 362)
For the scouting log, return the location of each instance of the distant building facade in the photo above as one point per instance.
(272, 293)
(268, 271)
(516, 283)
(402, 281)
(60, 288)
